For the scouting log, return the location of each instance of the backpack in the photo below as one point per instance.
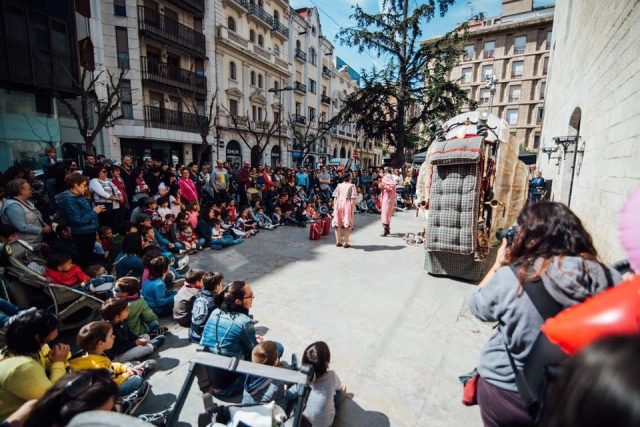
(542, 364)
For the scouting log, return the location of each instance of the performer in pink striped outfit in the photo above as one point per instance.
(387, 200)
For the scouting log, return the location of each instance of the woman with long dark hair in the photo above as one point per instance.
(550, 244)
(129, 261)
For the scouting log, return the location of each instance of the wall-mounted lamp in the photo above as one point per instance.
(303, 32)
(549, 151)
(566, 142)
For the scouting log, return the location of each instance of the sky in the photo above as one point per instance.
(334, 15)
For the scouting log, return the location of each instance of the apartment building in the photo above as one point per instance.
(514, 47)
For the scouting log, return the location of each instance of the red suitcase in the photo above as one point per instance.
(315, 230)
(326, 225)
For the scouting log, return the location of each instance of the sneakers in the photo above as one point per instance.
(157, 419)
(130, 402)
(159, 331)
(147, 366)
(157, 342)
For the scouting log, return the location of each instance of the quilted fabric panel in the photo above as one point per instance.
(456, 151)
(453, 209)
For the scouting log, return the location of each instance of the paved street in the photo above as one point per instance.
(399, 337)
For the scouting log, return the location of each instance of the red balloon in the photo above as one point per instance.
(614, 311)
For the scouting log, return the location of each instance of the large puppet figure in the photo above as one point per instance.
(387, 200)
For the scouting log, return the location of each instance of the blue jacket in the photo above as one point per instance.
(202, 308)
(156, 294)
(128, 265)
(230, 334)
(81, 216)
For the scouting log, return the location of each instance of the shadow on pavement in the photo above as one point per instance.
(156, 403)
(373, 248)
(352, 414)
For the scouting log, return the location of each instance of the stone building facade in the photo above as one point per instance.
(592, 88)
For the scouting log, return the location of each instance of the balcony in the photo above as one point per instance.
(300, 55)
(325, 99)
(324, 126)
(255, 11)
(156, 117)
(279, 30)
(516, 75)
(468, 56)
(261, 125)
(195, 7)
(300, 87)
(488, 54)
(240, 6)
(326, 72)
(299, 119)
(169, 75)
(518, 50)
(168, 31)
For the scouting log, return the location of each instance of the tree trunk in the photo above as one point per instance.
(200, 151)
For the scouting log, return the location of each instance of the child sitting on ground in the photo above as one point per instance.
(141, 319)
(150, 206)
(231, 209)
(105, 235)
(127, 345)
(327, 392)
(99, 279)
(61, 271)
(263, 390)
(95, 339)
(183, 300)
(154, 290)
(264, 219)
(187, 237)
(276, 217)
(203, 304)
(163, 208)
(221, 238)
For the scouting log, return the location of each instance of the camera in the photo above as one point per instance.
(507, 233)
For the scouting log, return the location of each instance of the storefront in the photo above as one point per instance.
(233, 153)
(275, 156)
(140, 149)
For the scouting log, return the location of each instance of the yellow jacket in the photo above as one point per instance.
(94, 361)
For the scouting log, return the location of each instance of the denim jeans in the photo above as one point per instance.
(153, 325)
(224, 242)
(130, 385)
(7, 310)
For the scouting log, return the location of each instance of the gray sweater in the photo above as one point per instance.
(502, 298)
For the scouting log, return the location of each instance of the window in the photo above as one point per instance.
(256, 113)
(312, 56)
(232, 70)
(536, 140)
(260, 85)
(547, 45)
(514, 93)
(260, 40)
(539, 115)
(516, 69)
(512, 116)
(469, 53)
(276, 16)
(253, 78)
(312, 86)
(122, 46)
(487, 72)
(543, 87)
(519, 44)
(467, 75)
(233, 108)
(252, 36)
(545, 66)
(276, 85)
(484, 96)
(298, 107)
(15, 24)
(231, 24)
(488, 50)
(127, 104)
(120, 7)
(312, 114)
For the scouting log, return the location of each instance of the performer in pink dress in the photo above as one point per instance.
(387, 200)
(344, 197)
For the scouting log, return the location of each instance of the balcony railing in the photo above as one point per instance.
(518, 50)
(156, 117)
(516, 75)
(300, 87)
(261, 124)
(323, 125)
(279, 28)
(484, 100)
(326, 72)
(239, 5)
(194, 6)
(171, 32)
(488, 54)
(325, 99)
(302, 56)
(299, 119)
(468, 56)
(170, 75)
(514, 98)
(260, 13)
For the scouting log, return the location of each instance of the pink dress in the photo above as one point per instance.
(344, 197)
(388, 197)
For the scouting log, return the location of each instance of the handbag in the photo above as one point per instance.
(470, 388)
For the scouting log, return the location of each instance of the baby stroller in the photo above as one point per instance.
(216, 415)
(253, 194)
(26, 287)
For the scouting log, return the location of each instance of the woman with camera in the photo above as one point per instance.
(550, 244)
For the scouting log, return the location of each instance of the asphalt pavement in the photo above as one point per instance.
(399, 337)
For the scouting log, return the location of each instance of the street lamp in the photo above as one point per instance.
(278, 91)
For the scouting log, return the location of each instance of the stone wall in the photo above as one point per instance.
(595, 77)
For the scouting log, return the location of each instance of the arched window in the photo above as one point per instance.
(335, 152)
(298, 45)
(253, 78)
(276, 16)
(232, 70)
(260, 40)
(276, 85)
(231, 24)
(252, 36)
(260, 81)
(312, 56)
